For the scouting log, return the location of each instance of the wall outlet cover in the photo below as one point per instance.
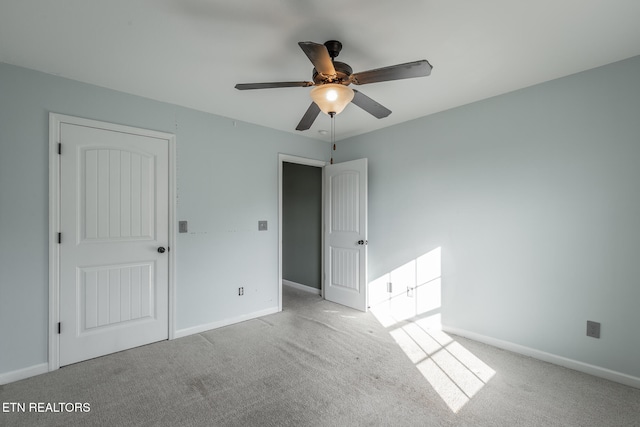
(593, 329)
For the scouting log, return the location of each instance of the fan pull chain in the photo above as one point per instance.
(333, 134)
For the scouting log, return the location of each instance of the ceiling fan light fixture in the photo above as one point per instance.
(332, 97)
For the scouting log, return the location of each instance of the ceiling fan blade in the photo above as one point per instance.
(369, 105)
(309, 117)
(246, 86)
(319, 57)
(395, 72)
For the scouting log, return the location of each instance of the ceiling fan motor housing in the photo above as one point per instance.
(343, 71)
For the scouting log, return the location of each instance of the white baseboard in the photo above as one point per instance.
(306, 288)
(225, 322)
(21, 374)
(576, 365)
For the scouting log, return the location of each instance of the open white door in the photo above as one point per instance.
(345, 234)
(114, 223)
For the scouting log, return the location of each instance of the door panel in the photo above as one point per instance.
(114, 211)
(113, 206)
(346, 233)
(345, 263)
(113, 295)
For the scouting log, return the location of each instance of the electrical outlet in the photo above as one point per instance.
(593, 329)
(262, 225)
(241, 291)
(410, 292)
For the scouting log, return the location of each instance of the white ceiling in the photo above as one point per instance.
(193, 52)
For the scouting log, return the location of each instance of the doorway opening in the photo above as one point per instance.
(300, 224)
(344, 230)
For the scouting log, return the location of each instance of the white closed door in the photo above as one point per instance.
(114, 212)
(345, 257)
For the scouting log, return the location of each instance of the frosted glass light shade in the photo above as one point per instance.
(332, 97)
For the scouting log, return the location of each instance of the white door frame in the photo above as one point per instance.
(282, 158)
(55, 121)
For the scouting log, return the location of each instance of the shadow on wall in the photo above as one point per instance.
(407, 301)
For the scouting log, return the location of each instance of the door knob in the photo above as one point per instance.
(362, 242)
(161, 250)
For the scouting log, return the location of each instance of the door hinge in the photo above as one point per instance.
(59, 327)
(59, 238)
(59, 147)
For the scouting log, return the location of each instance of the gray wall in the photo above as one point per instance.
(226, 178)
(301, 224)
(533, 198)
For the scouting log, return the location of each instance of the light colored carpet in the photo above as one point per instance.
(321, 364)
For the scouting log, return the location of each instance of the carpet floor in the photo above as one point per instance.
(318, 364)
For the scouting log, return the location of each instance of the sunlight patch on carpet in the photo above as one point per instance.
(407, 302)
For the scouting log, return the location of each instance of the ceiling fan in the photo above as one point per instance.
(332, 78)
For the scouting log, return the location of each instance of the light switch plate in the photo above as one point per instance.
(182, 227)
(262, 225)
